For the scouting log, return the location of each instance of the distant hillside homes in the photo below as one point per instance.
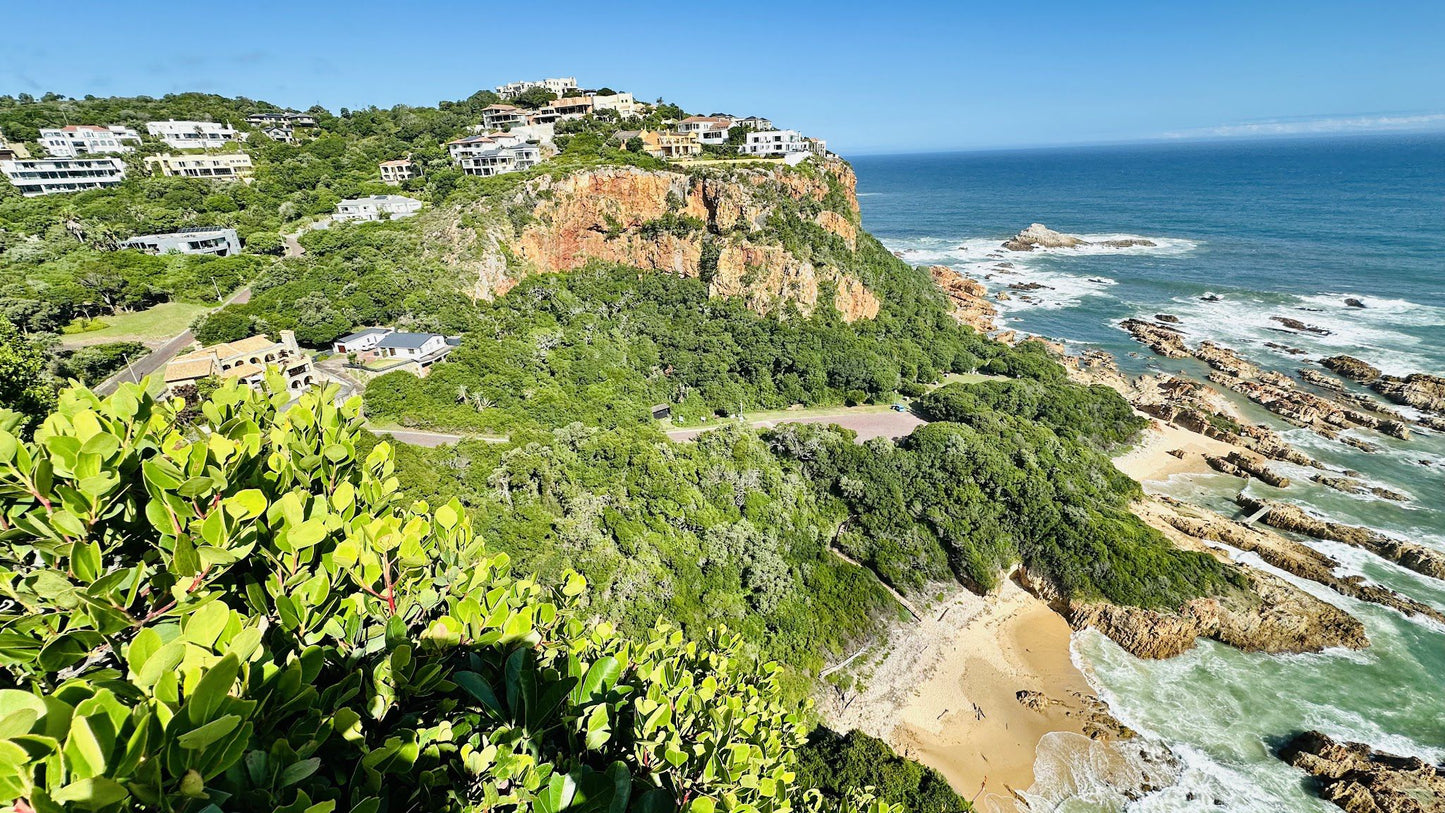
(201, 240)
(75, 140)
(230, 166)
(48, 176)
(377, 207)
(194, 135)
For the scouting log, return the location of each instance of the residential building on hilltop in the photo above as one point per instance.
(501, 116)
(48, 176)
(670, 146)
(776, 143)
(558, 86)
(710, 130)
(394, 172)
(494, 154)
(12, 152)
(231, 166)
(194, 135)
(362, 341)
(245, 360)
(75, 140)
(280, 133)
(559, 109)
(377, 207)
(754, 123)
(215, 242)
(623, 103)
(282, 119)
(411, 352)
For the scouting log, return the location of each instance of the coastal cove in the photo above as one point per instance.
(1244, 236)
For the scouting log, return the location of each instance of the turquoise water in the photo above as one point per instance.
(1271, 229)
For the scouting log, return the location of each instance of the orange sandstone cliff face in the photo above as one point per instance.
(707, 225)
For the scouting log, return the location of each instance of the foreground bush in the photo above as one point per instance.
(243, 615)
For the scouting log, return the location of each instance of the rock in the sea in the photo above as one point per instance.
(1353, 302)
(1164, 317)
(1295, 324)
(1351, 368)
(1350, 485)
(1359, 779)
(1038, 235)
(1289, 517)
(1128, 242)
(1166, 341)
(1242, 465)
(1419, 390)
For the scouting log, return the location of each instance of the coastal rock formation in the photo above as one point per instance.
(1288, 517)
(1295, 324)
(702, 224)
(1270, 615)
(1225, 360)
(1288, 555)
(969, 298)
(1166, 341)
(1350, 485)
(1353, 302)
(1242, 465)
(1359, 779)
(1351, 368)
(1038, 235)
(1166, 318)
(1201, 409)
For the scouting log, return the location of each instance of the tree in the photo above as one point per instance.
(635, 144)
(252, 616)
(534, 97)
(25, 387)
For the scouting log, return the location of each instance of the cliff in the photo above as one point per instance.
(771, 234)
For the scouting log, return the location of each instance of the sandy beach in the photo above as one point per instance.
(1151, 458)
(946, 693)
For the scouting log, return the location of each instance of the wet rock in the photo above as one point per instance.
(1284, 348)
(1166, 341)
(1242, 465)
(1359, 779)
(1349, 485)
(1289, 517)
(1359, 443)
(1351, 368)
(1166, 318)
(1030, 286)
(1128, 242)
(1038, 235)
(1353, 302)
(1295, 324)
(1419, 390)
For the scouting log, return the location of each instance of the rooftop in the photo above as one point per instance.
(399, 339)
(361, 334)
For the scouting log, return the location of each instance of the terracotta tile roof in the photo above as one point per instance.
(243, 370)
(240, 347)
(188, 370)
(400, 162)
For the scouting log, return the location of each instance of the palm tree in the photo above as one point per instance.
(461, 393)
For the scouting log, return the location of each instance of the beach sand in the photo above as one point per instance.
(1150, 460)
(946, 693)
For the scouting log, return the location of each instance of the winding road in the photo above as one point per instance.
(159, 357)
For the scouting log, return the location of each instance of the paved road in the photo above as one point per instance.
(157, 358)
(868, 425)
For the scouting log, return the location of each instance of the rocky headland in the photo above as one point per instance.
(1419, 390)
(1359, 779)
(1287, 517)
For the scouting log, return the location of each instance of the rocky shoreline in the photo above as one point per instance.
(1359, 779)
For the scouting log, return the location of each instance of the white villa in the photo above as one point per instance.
(558, 86)
(216, 242)
(47, 176)
(75, 140)
(499, 116)
(282, 119)
(377, 207)
(623, 103)
(494, 154)
(710, 130)
(225, 166)
(412, 352)
(779, 142)
(394, 172)
(194, 135)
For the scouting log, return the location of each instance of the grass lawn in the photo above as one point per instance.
(151, 325)
(967, 378)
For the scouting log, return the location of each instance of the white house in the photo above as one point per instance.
(362, 341)
(216, 242)
(498, 116)
(194, 135)
(558, 86)
(377, 207)
(75, 140)
(755, 123)
(411, 345)
(394, 172)
(710, 130)
(623, 103)
(47, 176)
(282, 119)
(775, 142)
(494, 154)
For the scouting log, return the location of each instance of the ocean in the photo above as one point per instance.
(1244, 231)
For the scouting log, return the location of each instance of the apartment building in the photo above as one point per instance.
(234, 166)
(376, 207)
(710, 130)
(194, 135)
(75, 140)
(394, 172)
(281, 120)
(501, 116)
(215, 242)
(775, 143)
(48, 176)
(558, 86)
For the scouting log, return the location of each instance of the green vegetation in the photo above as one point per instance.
(835, 763)
(970, 500)
(94, 363)
(253, 618)
(24, 386)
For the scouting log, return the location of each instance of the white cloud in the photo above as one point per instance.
(1318, 126)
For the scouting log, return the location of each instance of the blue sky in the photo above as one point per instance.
(869, 77)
